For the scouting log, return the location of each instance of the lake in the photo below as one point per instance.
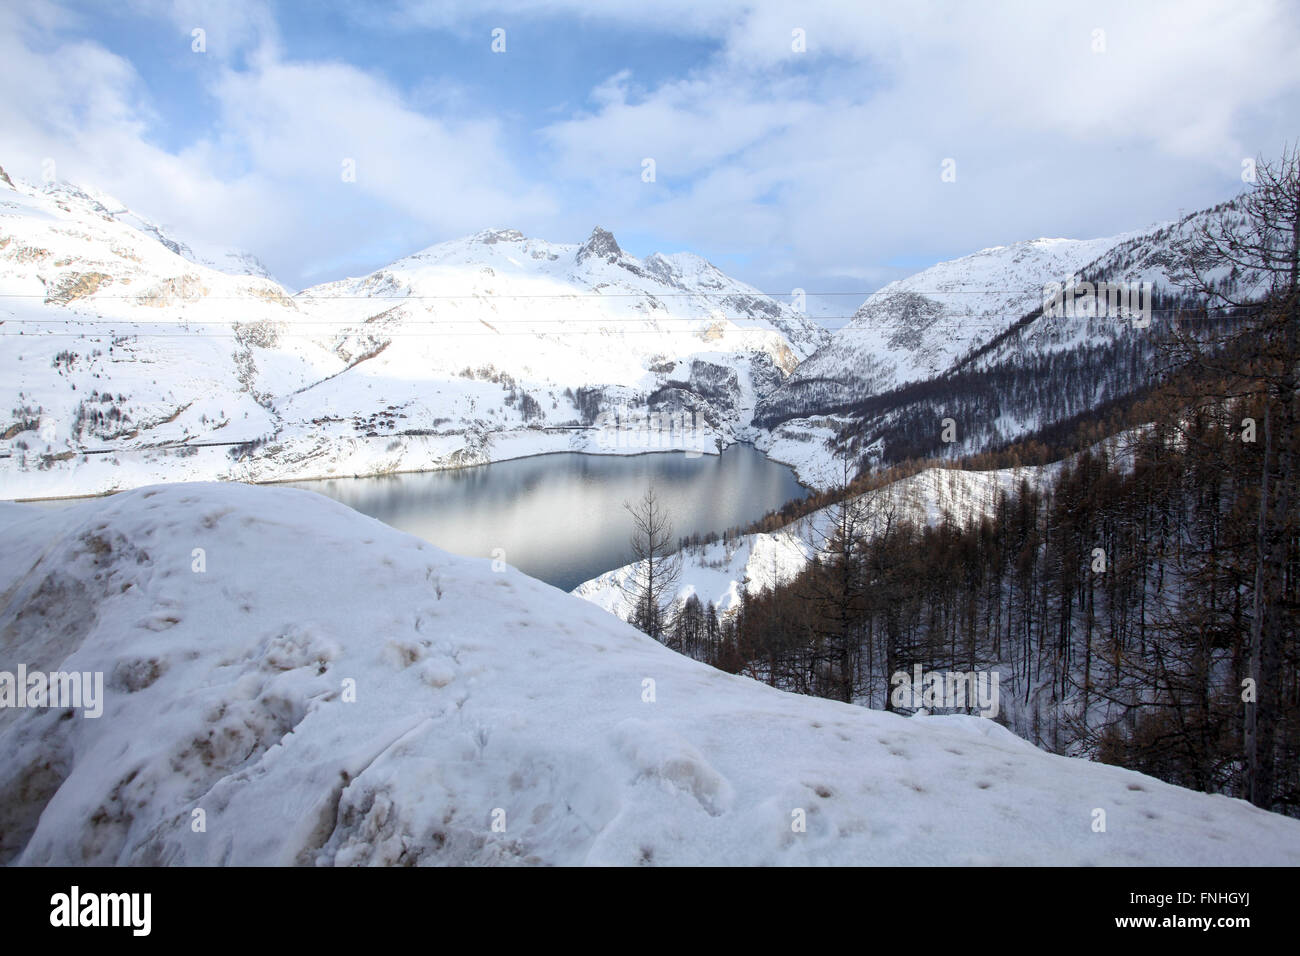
(560, 517)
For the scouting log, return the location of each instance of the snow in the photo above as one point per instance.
(953, 316)
(918, 327)
(1151, 258)
(805, 445)
(425, 364)
(722, 571)
(422, 365)
(480, 696)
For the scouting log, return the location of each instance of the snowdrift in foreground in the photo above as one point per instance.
(480, 698)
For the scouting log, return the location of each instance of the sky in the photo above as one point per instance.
(827, 146)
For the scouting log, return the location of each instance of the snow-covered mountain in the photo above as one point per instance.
(122, 342)
(670, 334)
(321, 690)
(968, 340)
(498, 270)
(231, 261)
(1154, 258)
(113, 341)
(498, 345)
(918, 327)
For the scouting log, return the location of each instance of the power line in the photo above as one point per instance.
(537, 327)
(362, 324)
(305, 297)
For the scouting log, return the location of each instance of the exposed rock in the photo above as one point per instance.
(77, 285)
(601, 244)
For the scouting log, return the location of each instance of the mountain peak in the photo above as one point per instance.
(601, 244)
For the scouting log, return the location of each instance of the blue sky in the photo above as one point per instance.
(817, 167)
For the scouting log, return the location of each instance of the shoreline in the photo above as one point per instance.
(419, 471)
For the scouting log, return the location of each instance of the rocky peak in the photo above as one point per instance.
(601, 244)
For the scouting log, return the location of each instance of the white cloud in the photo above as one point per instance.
(230, 27)
(835, 153)
(301, 121)
(816, 163)
(267, 175)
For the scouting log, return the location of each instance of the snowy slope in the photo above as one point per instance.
(722, 571)
(479, 697)
(231, 261)
(114, 341)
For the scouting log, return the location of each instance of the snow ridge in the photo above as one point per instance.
(328, 691)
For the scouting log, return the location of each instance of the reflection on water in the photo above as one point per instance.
(560, 517)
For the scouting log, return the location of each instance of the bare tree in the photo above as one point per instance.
(1249, 262)
(849, 588)
(652, 587)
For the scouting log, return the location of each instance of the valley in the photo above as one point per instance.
(836, 504)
